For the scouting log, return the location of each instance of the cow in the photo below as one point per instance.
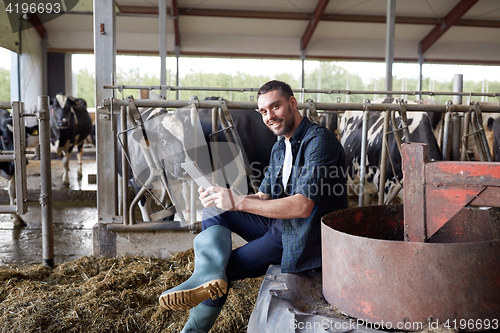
(7, 168)
(492, 131)
(496, 139)
(70, 124)
(173, 132)
(420, 129)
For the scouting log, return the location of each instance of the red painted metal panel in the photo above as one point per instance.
(443, 202)
(463, 173)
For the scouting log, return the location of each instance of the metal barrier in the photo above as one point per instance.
(311, 109)
(18, 156)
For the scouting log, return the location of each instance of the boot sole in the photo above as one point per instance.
(189, 298)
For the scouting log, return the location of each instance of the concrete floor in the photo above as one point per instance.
(74, 214)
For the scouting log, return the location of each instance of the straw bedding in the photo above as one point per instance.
(108, 295)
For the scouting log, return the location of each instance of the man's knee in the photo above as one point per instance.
(211, 216)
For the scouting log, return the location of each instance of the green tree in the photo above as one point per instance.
(85, 82)
(329, 76)
(4, 85)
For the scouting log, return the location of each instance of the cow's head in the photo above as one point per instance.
(62, 122)
(161, 139)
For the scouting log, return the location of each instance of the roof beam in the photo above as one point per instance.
(313, 23)
(149, 10)
(33, 18)
(453, 16)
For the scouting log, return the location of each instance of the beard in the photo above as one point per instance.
(287, 124)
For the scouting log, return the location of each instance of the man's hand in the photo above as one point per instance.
(220, 197)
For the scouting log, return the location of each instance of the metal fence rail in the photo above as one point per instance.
(339, 107)
(305, 91)
(367, 107)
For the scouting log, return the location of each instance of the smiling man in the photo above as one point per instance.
(305, 180)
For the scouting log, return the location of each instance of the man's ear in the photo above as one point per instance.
(293, 102)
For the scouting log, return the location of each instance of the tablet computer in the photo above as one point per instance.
(196, 174)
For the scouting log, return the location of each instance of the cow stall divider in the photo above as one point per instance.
(18, 156)
(219, 114)
(311, 110)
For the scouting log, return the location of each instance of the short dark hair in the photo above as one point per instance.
(284, 89)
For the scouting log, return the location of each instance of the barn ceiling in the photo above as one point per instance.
(449, 31)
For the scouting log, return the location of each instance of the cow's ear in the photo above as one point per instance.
(33, 130)
(490, 124)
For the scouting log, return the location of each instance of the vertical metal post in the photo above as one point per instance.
(215, 145)
(177, 54)
(107, 180)
(20, 157)
(420, 74)
(302, 75)
(162, 32)
(465, 139)
(124, 185)
(456, 121)
(445, 154)
(194, 192)
(46, 182)
(389, 43)
(68, 77)
(383, 159)
(45, 89)
(364, 140)
(458, 86)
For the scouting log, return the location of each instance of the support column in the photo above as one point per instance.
(162, 32)
(420, 75)
(302, 78)
(45, 83)
(456, 123)
(68, 75)
(46, 182)
(177, 54)
(107, 180)
(389, 43)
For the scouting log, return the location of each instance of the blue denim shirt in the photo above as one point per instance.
(318, 173)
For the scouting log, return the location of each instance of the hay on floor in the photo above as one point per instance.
(108, 295)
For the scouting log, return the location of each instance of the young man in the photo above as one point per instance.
(305, 180)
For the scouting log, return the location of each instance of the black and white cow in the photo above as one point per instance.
(491, 125)
(177, 139)
(496, 139)
(420, 130)
(7, 168)
(70, 124)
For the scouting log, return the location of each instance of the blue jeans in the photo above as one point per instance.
(251, 260)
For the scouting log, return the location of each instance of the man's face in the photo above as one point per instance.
(277, 113)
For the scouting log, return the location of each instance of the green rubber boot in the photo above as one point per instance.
(201, 319)
(212, 250)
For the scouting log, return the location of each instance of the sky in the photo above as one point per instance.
(366, 70)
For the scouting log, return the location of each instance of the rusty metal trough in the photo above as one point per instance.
(435, 261)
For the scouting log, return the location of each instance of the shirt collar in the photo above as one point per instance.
(300, 132)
